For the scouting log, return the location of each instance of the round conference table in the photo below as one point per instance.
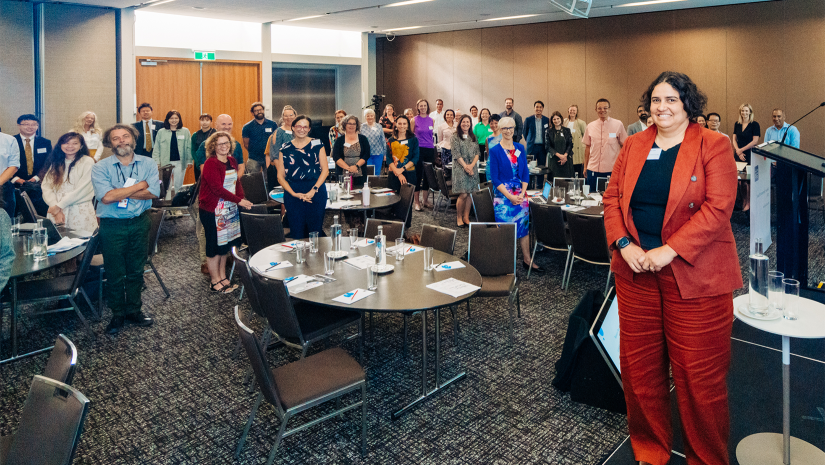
(402, 290)
(376, 201)
(25, 265)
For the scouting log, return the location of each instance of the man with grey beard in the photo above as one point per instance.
(124, 187)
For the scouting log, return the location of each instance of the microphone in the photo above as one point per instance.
(800, 119)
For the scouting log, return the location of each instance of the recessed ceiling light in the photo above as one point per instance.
(402, 28)
(408, 2)
(198, 8)
(509, 17)
(484, 14)
(305, 17)
(651, 2)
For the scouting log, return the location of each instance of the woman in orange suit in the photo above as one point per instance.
(667, 216)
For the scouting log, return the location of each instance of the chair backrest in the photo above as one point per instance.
(165, 175)
(378, 182)
(601, 184)
(441, 239)
(156, 215)
(83, 267)
(483, 206)
(368, 170)
(277, 308)
(429, 173)
(246, 279)
(50, 425)
(260, 366)
(401, 210)
(495, 248)
(588, 237)
(195, 191)
(261, 231)
(548, 225)
(29, 213)
(62, 361)
(442, 183)
(563, 182)
(392, 229)
(254, 187)
(486, 185)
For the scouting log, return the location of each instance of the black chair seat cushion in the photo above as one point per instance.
(316, 321)
(316, 376)
(44, 288)
(158, 203)
(496, 286)
(5, 445)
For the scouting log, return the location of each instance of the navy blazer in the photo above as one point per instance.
(41, 149)
(141, 140)
(530, 130)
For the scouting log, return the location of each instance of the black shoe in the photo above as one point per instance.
(115, 325)
(526, 267)
(139, 319)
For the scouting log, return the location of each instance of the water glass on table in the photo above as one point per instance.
(776, 290)
(29, 245)
(586, 190)
(353, 238)
(41, 241)
(15, 225)
(313, 242)
(791, 299)
(372, 279)
(400, 247)
(329, 263)
(299, 253)
(428, 258)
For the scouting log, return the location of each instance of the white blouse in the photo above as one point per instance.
(94, 142)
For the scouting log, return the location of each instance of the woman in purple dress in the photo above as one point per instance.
(423, 129)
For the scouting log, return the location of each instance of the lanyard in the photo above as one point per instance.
(120, 172)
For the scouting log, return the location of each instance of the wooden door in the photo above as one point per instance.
(174, 85)
(231, 88)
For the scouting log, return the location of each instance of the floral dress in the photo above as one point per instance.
(466, 149)
(506, 212)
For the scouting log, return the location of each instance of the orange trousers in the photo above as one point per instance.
(659, 329)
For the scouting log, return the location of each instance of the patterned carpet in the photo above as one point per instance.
(173, 394)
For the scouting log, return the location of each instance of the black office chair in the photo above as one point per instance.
(165, 175)
(254, 190)
(262, 231)
(549, 230)
(401, 210)
(392, 229)
(432, 181)
(445, 194)
(156, 216)
(483, 206)
(495, 259)
(589, 242)
(62, 362)
(29, 213)
(378, 182)
(50, 425)
(301, 385)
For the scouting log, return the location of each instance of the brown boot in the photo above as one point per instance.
(204, 269)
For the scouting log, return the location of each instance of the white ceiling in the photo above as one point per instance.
(364, 16)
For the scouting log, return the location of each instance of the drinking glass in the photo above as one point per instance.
(299, 253)
(791, 300)
(353, 238)
(329, 263)
(399, 249)
(372, 279)
(776, 290)
(558, 194)
(428, 258)
(586, 190)
(41, 241)
(29, 250)
(333, 194)
(313, 242)
(15, 225)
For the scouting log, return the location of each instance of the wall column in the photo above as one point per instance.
(266, 72)
(367, 68)
(127, 91)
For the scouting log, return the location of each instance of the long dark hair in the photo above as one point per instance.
(56, 163)
(460, 131)
(166, 123)
(395, 128)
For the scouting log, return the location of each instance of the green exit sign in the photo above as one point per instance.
(207, 56)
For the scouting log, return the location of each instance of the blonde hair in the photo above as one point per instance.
(211, 144)
(286, 107)
(80, 124)
(750, 118)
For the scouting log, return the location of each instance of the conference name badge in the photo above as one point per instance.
(612, 135)
(268, 130)
(546, 125)
(314, 142)
(347, 144)
(518, 152)
(654, 154)
(431, 128)
(403, 142)
(180, 137)
(41, 150)
(125, 202)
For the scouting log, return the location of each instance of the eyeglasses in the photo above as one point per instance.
(301, 128)
(29, 125)
(508, 128)
(224, 144)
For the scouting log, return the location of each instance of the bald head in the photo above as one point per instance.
(224, 123)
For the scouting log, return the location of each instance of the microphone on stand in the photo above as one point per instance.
(800, 119)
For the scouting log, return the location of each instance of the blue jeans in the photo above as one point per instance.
(591, 178)
(378, 162)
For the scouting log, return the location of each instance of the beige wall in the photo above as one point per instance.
(769, 54)
(16, 63)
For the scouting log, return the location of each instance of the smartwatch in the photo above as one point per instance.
(623, 242)
(315, 188)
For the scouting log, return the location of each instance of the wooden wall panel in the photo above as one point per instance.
(566, 52)
(174, 85)
(467, 58)
(530, 73)
(768, 54)
(16, 64)
(231, 88)
(497, 68)
(440, 75)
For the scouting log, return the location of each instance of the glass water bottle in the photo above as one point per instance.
(758, 288)
(335, 232)
(381, 247)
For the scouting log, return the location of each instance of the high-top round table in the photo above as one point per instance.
(773, 448)
(403, 290)
(25, 265)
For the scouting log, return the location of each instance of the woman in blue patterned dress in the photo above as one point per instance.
(510, 176)
(374, 133)
(302, 170)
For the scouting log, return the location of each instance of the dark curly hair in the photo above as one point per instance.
(693, 99)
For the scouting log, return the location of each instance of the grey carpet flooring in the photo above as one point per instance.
(173, 393)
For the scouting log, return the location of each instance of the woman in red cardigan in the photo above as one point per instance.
(667, 216)
(220, 195)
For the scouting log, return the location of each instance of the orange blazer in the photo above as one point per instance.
(697, 216)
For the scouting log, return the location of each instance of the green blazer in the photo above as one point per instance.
(163, 147)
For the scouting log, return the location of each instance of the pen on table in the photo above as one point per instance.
(353, 295)
(410, 248)
(445, 261)
(290, 279)
(274, 264)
